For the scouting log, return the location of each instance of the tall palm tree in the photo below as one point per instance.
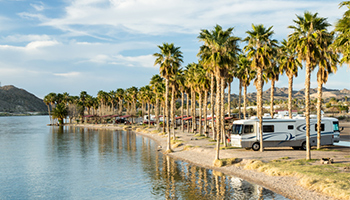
(180, 79)
(290, 65)
(169, 60)
(342, 41)
(245, 74)
(272, 73)
(49, 100)
(327, 63)
(306, 31)
(215, 54)
(259, 48)
(174, 88)
(191, 83)
(156, 82)
(120, 96)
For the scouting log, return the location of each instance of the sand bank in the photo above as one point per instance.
(202, 154)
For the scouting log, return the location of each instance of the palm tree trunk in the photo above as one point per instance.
(212, 105)
(222, 113)
(307, 106)
(182, 111)
(167, 121)
(188, 111)
(218, 106)
(149, 114)
(200, 112)
(205, 113)
(157, 111)
(259, 105)
(48, 109)
(172, 111)
(229, 99)
(239, 99)
(164, 130)
(319, 102)
(272, 90)
(245, 101)
(193, 110)
(290, 90)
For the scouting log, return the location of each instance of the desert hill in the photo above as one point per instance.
(15, 100)
(282, 93)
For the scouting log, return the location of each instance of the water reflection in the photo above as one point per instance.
(133, 168)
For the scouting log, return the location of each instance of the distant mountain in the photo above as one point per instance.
(282, 93)
(15, 100)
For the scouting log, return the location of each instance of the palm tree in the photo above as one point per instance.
(246, 75)
(272, 73)
(169, 59)
(290, 65)
(342, 41)
(327, 63)
(102, 97)
(49, 100)
(156, 82)
(60, 112)
(148, 97)
(191, 83)
(180, 80)
(305, 38)
(120, 96)
(215, 54)
(259, 51)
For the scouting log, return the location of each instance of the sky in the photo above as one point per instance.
(91, 45)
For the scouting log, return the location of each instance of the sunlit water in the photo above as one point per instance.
(42, 162)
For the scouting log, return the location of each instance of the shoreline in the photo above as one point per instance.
(203, 156)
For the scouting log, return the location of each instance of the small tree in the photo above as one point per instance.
(60, 112)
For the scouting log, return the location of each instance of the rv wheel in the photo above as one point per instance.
(303, 146)
(256, 146)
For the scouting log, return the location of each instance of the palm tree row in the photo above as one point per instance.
(220, 61)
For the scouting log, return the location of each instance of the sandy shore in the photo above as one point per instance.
(203, 155)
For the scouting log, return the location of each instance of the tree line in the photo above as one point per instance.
(221, 59)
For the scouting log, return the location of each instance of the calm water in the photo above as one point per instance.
(41, 162)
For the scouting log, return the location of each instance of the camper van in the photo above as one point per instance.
(280, 133)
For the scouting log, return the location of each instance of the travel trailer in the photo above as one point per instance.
(281, 133)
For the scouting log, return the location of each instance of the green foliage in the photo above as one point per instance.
(60, 112)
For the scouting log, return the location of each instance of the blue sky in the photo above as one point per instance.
(75, 45)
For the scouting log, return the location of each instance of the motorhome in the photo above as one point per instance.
(281, 132)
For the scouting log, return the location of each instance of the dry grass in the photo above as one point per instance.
(168, 151)
(187, 147)
(226, 161)
(154, 131)
(328, 179)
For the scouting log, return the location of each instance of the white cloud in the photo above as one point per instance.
(68, 74)
(40, 44)
(26, 38)
(156, 17)
(38, 7)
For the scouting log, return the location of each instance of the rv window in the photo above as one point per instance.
(336, 126)
(237, 129)
(322, 127)
(249, 129)
(268, 128)
(290, 127)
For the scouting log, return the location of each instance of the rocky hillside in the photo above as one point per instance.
(282, 93)
(15, 100)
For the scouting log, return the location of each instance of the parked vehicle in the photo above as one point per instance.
(281, 133)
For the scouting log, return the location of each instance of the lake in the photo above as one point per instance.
(43, 162)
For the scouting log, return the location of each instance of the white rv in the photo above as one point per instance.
(281, 133)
